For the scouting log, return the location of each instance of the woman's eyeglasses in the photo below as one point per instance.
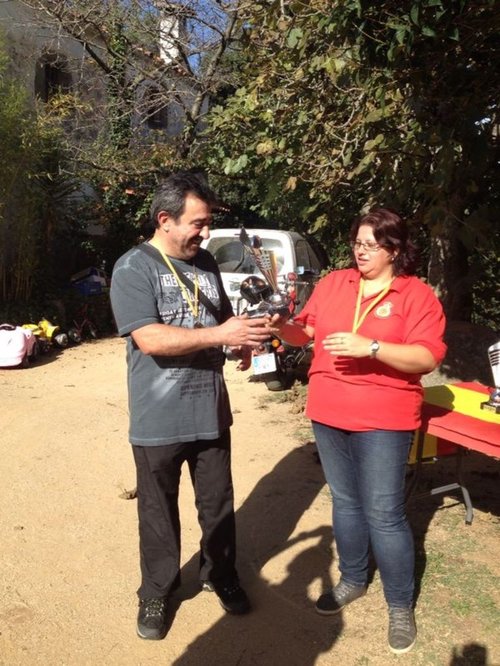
(367, 247)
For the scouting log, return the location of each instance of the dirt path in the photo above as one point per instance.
(69, 563)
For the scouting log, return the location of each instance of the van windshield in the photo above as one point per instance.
(232, 257)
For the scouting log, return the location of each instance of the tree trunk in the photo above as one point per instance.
(448, 270)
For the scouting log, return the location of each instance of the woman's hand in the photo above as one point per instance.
(276, 323)
(414, 359)
(343, 343)
(290, 332)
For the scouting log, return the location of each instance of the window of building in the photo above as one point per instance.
(155, 109)
(52, 76)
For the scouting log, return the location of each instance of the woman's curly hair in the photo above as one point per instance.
(391, 232)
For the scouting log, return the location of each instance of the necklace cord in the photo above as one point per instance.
(192, 303)
(360, 317)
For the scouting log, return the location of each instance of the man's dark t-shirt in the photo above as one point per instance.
(172, 399)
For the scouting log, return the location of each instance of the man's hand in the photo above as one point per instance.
(244, 354)
(241, 331)
(166, 340)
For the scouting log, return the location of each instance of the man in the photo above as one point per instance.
(168, 300)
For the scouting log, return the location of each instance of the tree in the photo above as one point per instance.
(30, 189)
(354, 103)
(159, 63)
(138, 75)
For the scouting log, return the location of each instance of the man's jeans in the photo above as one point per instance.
(366, 475)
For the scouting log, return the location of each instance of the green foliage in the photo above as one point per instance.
(120, 96)
(124, 191)
(485, 291)
(16, 141)
(122, 211)
(37, 215)
(319, 110)
(346, 105)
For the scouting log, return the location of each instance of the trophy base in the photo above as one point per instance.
(487, 406)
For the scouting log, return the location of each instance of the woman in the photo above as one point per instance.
(377, 329)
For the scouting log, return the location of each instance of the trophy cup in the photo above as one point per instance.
(264, 295)
(493, 404)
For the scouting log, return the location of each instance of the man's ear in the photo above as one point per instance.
(164, 221)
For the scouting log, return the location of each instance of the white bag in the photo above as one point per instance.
(16, 345)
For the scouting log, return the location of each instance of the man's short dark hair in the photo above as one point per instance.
(170, 196)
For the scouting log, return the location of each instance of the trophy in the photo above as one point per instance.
(264, 295)
(493, 404)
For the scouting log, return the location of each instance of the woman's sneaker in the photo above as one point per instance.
(152, 621)
(402, 629)
(341, 595)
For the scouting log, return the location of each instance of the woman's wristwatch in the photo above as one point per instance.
(374, 347)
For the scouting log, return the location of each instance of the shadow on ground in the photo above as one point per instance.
(481, 476)
(284, 627)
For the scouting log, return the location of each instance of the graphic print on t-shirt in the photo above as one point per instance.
(174, 308)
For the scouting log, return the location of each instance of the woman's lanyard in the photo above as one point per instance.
(360, 317)
(192, 303)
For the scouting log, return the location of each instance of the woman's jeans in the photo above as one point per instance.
(366, 475)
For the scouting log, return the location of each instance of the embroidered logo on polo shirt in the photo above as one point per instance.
(385, 310)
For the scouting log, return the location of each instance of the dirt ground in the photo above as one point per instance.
(69, 560)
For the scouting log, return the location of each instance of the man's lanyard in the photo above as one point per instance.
(192, 303)
(360, 317)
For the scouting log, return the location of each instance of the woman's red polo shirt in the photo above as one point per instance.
(363, 393)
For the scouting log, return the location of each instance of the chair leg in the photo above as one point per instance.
(440, 490)
(469, 513)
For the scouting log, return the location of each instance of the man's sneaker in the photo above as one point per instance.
(152, 622)
(402, 629)
(341, 595)
(232, 597)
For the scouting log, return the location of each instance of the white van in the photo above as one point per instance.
(293, 255)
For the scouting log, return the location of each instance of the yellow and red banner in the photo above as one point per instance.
(452, 415)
